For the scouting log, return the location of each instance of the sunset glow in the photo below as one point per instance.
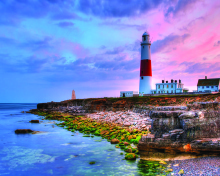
(50, 47)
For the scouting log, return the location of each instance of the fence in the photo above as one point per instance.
(185, 93)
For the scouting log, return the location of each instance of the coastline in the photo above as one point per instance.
(90, 126)
(168, 166)
(135, 127)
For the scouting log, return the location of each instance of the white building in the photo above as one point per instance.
(145, 85)
(172, 87)
(208, 85)
(128, 93)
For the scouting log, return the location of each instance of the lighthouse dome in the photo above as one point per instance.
(145, 33)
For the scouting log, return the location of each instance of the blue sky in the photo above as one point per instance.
(50, 47)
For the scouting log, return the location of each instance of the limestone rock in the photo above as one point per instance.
(128, 150)
(188, 115)
(181, 171)
(23, 131)
(126, 143)
(115, 141)
(34, 121)
(127, 124)
(130, 156)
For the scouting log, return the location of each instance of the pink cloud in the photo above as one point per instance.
(75, 48)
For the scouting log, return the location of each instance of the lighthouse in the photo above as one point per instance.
(145, 66)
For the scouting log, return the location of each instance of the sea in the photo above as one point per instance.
(55, 151)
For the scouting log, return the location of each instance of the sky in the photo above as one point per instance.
(50, 47)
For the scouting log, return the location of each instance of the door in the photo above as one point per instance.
(123, 94)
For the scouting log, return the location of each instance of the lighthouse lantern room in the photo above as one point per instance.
(145, 66)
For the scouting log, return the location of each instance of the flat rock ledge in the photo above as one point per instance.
(182, 133)
(34, 121)
(27, 131)
(176, 131)
(161, 149)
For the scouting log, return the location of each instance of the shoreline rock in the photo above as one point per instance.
(34, 121)
(194, 132)
(27, 131)
(115, 141)
(23, 131)
(193, 129)
(130, 156)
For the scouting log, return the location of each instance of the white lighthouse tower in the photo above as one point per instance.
(145, 66)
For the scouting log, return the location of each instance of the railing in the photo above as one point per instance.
(185, 93)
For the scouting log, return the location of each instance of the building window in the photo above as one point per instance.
(203, 87)
(159, 86)
(142, 72)
(142, 77)
(143, 46)
(163, 86)
(171, 86)
(144, 38)
(167, 91)
(207, 86)
(212, 87)
(167, 86)
(171, 91)
(159, 92)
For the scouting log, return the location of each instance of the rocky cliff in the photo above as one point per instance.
(192, 129)
(179, 124)
(119, 104)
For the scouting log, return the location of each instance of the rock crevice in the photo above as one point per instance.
(193, 129)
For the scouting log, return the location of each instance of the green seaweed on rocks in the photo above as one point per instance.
(151, 168)
(181, 172)
(92, 162)
(130, 156)
(86, 136)
(90, 127)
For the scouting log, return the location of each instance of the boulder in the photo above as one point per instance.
(188, 115)
(127, 124)
(122, 138)
(115, 141)
(104, 132)
(128, 150)
(126, 143)
(23, 131)
(130, 137)
(130, 156)
(34, 121)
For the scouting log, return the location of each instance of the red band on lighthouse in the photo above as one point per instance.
(145, 68)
